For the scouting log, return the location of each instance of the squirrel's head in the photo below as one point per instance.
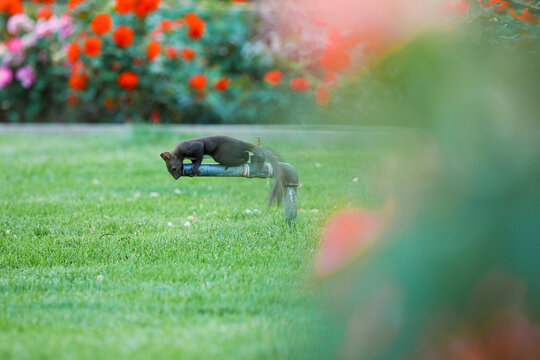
(174, 165)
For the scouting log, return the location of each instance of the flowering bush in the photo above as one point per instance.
(32, 47)
(137, 60)
(132, 61)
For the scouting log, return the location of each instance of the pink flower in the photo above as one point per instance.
(26, 76)
(15, 45)
(29, 40)
(65, 26)
(6, 75)
(47, 28)
(43, 29)
(19, 22)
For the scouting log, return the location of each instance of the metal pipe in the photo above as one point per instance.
(260, 170)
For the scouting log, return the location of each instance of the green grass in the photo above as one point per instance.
(96, 261)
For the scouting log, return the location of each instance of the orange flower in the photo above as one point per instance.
(273, 77)
(44, 12)
(124, 6)
(92, 46)
(188, 53)
(128, 80)
(109, 102)
(526, 17)
(196, 26)
(153, 50)
(167, 25)
(73, 53)
(144, 7)
(198, 82)
(101, 24)
(123, 36)
(223, 83)
(72, 99)
(171, 52)
(72, 4)
(300, 84)
(322, 95)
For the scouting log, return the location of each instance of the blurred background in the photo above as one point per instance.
(445, 264)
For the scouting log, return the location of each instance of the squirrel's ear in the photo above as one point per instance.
(165, 155)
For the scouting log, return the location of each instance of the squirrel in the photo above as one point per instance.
(227, 152)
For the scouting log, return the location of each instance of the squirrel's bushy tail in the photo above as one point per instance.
(272, 157)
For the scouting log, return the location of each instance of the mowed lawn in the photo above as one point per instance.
(104, 256)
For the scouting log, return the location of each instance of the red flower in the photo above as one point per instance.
(335, 59)
(223, 83)
(45, 2)
(92, 46)
(128, 80)
(330, 77)
(347, 234)
(196, 26)
(153, 50)
(171, 52)
(144, 7)
(12, 7)
(73, 53)
(109, 102)
(72, 99)
(300, 84)
(198, 82)
(188, 53)
(78, 82)
(526, 17)
(124, 6)
(123, 36)
(273, 77)
(44, 12)
(138, 62)
(101, 24)
(72, 4)
(155, 117)
(117, 65)
(498, 5)
(78, 79)
(322, 95)
(167, 25)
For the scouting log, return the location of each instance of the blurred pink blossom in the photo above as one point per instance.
(29, 40)
(15, 45)
(26, 76)
(19, 22)
(65, 26)
(6, 75)
(46, 28)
